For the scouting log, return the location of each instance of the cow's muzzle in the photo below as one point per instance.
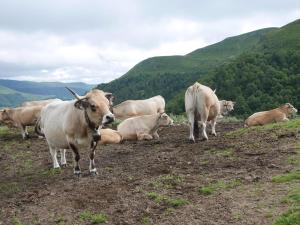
(108, 118)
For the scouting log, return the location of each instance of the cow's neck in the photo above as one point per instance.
(93, 127)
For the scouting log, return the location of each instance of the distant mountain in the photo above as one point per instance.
(13, 92)
(169, 76)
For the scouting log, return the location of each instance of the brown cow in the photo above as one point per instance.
(21, 117)
(109, 136)
(279, 114)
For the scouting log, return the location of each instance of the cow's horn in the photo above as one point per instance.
(73, 93)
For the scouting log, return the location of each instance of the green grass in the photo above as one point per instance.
(292, 175)
(293, 124)
(16, 221)
(4, 130)
(292, 215)
(93, 218)
(218, 186)
(51, 172)
(162, 199)
(146, 221)
(294, 160)
(230, 119)
(9, 188)
(178, 119)
(167, 182)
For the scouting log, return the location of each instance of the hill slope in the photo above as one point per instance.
(13, 92)
(168, 75)
(261, 59)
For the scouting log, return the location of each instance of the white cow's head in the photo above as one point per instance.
(226, 107)
(164, 120)
(96, 105)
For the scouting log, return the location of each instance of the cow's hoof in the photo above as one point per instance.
(77, 173)
(214, 134)
(93, 172)
(192, 140)
(64, 165)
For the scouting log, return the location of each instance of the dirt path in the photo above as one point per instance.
(151, 182)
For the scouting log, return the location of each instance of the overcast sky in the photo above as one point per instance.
(96, 41)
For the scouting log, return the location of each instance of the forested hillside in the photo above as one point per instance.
(168, 75)
(259, 70)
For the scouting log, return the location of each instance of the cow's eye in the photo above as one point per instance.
(93, 108)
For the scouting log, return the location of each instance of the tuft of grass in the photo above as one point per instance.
(162, 199)
(50, 172)
(178, 119)
(230, 119)
(220, 185)
(167, 182)
(9, 188)
(146, 220)
(294, 160)
(93, 218)
(16, 221)
(292, 216)
(292, 175)
(4, 130)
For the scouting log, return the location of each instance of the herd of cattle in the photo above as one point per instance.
(81, 122)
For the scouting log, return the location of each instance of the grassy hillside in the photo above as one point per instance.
(13, 93)
(12, 98)
(259, 70)
(168, 75)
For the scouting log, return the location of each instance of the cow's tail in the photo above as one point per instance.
(37, 128)
(196, 113)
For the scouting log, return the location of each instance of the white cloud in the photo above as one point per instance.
(97, 41)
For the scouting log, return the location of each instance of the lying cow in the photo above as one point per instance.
(76, 123)
(109, 136)
(21, 117)
(143, 127)
(131, 108)
(40, 102)
(201, 105)
(279, 114)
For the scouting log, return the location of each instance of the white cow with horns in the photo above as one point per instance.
(76, 123)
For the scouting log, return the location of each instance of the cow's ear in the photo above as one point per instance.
(110, 97)
(81, 104)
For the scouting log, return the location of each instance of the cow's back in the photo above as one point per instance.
(132, 108)
(199, 98)
(55, 119)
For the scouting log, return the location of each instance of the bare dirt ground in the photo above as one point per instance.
(151, 182)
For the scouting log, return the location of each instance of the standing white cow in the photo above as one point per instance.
(74, 124)
(131, 108)
(201, 105)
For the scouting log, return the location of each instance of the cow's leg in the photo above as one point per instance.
(23, 131)
(155, 135)
(213, 126)
(191, 119)
(204, 115)
(26, 132)
(93, 169)
(53, 153)
(144, 136)
(77, 170)
(63, 161)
